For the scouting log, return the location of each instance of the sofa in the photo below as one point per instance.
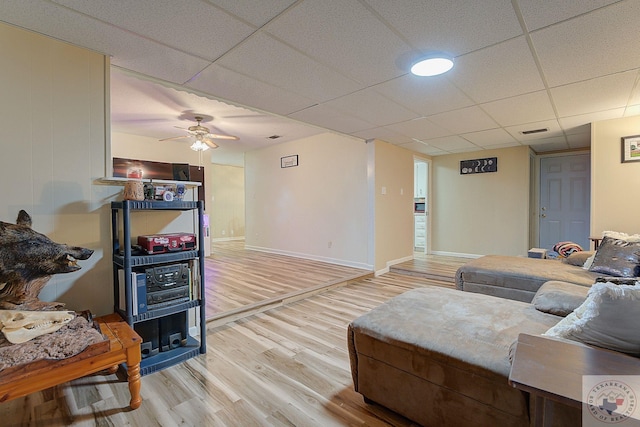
(441, 357)
(519, 278)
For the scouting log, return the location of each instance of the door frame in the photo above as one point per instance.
(429, 200)
(534, 195)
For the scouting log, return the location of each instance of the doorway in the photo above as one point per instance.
(565, 192)
(421, 206)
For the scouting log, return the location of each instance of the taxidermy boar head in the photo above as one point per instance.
(22, 326)
(27, 261)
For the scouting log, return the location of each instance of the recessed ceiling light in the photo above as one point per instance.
(432, 65)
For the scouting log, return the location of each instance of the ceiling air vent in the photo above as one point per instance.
(529, 132)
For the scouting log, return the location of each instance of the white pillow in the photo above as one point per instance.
(608, 318)
(621, 236)
(588, 262)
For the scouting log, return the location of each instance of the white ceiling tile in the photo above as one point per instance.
(531, 107)
(500, 71)
(506, 145)
(489, 137)
(424, 95)
(227, 84)
(573, 124)
(268, 60)
(420, 128)
(449, 143)
(632, 110)
(635, 95)
(465, 120)
(455, 26)
(601, 94)
(548, 145)
(553, 127)
(127, 50)
(186, 25)
(330, 118)
(372, 107)
(383, 134)
(579, 140)
(348, 37)
(540, 13)
(423, 149)
(601, 42)
(257, 13)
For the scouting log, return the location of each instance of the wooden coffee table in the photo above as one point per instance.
(122, 346)
(552, 370)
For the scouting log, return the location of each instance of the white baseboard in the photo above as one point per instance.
(226, 239)
(391, 263)
(359, 265)
(456, 254)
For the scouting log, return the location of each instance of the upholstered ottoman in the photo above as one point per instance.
(517, 278)
(440, 357)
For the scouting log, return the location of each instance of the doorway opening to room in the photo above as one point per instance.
(421, 206)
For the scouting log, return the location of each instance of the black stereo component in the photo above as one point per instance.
(165, 277)
(160, 299)
(173, 331)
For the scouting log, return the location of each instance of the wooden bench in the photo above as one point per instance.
(123, 346)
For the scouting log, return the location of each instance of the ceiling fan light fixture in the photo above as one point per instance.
(432, 65)
(198, 145)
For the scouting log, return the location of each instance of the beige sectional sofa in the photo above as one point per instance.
(441, 357)
(518, 278)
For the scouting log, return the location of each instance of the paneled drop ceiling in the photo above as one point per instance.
(292, 69)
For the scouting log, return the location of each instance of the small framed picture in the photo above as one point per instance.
(289, 161)
(631, 148)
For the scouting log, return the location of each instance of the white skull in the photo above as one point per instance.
(22, 326)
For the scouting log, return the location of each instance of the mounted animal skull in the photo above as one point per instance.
(22, 326)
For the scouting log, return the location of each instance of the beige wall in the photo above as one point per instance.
(612, 182)
(394, 172)
(485, 213)
(227, 195)
(143, 148)
(317, 210)
(52, 135)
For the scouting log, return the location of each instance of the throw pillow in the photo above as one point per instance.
(622, 236)
(617, 257)
(578, 258)
(559, 298)
(608, 318)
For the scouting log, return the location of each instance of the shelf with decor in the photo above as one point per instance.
(158, 294)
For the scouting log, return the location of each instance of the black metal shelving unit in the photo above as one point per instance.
(124, 260)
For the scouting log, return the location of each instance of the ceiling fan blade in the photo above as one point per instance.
(219, 136)
(210, 143)
(175, 137)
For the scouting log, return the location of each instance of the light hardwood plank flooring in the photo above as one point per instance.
(240, 281)
(287, 366)
(436, 267)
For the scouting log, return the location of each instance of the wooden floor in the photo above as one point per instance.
(286, 366)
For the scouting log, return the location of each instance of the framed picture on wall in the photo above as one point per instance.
(631, 148)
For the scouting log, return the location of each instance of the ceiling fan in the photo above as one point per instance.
(203, 138)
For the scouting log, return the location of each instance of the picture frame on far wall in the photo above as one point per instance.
(631, 148)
